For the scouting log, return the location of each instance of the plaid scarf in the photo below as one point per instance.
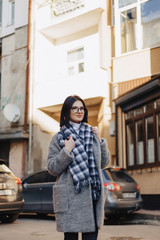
(83, 168)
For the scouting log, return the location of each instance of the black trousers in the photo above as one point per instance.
(87, 235)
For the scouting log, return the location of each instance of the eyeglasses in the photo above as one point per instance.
(77, 109)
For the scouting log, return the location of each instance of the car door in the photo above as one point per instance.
(47, 193)
(32, 192)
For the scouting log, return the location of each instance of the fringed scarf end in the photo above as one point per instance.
(84, 183)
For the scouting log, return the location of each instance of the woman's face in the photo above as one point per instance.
(77, 112)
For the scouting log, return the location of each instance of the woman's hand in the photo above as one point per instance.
(69, 144)
(96, 131)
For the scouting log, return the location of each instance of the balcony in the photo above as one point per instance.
(57, 21)
(93, 106)
(136, 65)
(77, 84)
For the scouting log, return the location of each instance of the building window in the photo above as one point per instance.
(137, 25)
(150, 158)
(150, 19)
(0, 13)
(128, 30)
(158, 134)
(11, 12)
(112, 13)
(140, 141)
(143, 135)
(123, 3)
(75, 61)
(157, 103)
(130, 144)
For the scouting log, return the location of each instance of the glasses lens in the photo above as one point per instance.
(81, 109)
(76, 109)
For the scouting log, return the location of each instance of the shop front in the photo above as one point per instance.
(138, 138)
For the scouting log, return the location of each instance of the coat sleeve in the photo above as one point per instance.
(105, 154)
(58, 158)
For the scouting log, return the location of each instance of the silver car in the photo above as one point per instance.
(11, 198)
(122, 192)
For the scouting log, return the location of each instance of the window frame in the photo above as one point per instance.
(139, 39)
(154, 112)
(11, 15)
(75, 63)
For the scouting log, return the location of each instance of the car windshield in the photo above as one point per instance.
(40, 177)
(120, 176)
(4, 169)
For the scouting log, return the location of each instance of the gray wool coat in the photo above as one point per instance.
(74, 212)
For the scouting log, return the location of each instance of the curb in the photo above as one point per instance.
(146, 216)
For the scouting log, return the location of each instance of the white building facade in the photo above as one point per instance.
(71, 54)
(14, 42)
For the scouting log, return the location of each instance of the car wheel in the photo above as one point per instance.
(42, 215)
(9, 218)
(113, 217)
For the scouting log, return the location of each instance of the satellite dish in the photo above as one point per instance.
(11, 112)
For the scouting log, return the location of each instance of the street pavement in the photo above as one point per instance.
(141, 225)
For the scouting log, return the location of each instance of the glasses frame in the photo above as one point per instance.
(77, 109)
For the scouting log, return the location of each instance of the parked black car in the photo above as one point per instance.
(11, 197)
(122, 192)
(37, 192)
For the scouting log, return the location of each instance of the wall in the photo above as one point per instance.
(13, 80)
(15, 158)
(148, 180)
(40, 148)
(104, 118)
(155, 60)
(51, 78)
(51, 85)
(50, 72)
(14, 62)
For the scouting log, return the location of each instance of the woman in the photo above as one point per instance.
(76, 155)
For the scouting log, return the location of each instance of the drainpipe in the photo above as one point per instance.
(27, 88)
(117, 156)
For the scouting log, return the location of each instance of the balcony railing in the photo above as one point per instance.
(65, 17)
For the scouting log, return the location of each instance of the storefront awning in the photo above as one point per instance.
(139, 95)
